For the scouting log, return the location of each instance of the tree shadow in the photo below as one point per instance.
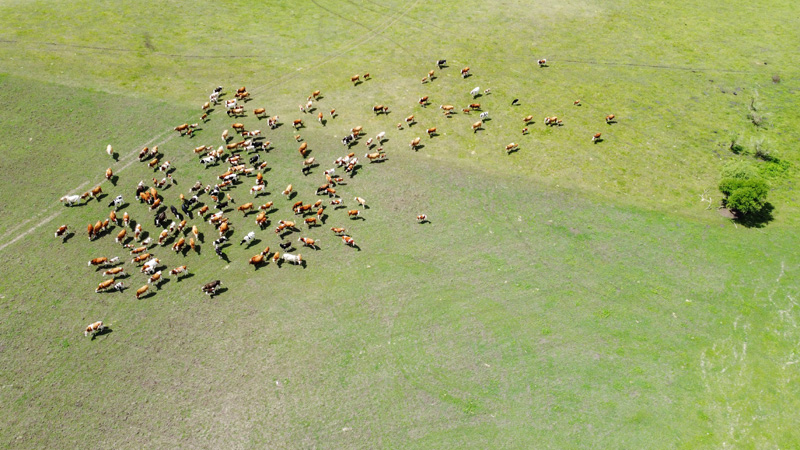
(758, 219)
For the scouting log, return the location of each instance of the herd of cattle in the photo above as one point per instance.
(212, 202)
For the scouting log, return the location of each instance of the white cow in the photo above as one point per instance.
(475, 91)
(70, 199)
(248, 237)
(294, 259)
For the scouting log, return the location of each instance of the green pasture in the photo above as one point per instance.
(569, 295)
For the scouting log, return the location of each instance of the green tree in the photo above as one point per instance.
(745, 196)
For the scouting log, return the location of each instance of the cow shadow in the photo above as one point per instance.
(219, 291)
(102, 332)
(292, 195)
(486, 119)
(355, 246)
(508, 152)
(357, 83)
(147, 295)
(419, 147)
(324, 122)
(433, 135)
(113, 180)
(189, 275)
(123, 206)
(478, 95)
(67, 237)
(358, 218)
(255, 241)
(598, 140)
(611, 122)
(467, 75)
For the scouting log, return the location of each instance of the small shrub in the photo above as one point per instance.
(776, 79)
(744, 196)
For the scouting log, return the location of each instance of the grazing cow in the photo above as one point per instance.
(297, 123)
(380, 137)
(474, 106)
(542, 62)
(440, 63)
(464, 72)
(349, 241)
(162, 237)
(525, 130)
(256, 189)
(347, 140)
(475, 91)
(246, 207)
(577, 103)
(353, 213)
(104, 285)
(150, 266)
(368, 143)
(377, 109)
(376, 156)
(137, 232)
(261, 219)
(310, 221)
(181, 270)
(211, 288)
(356, 131)
(155, 278)
(528, 119)
(61, 231)
(178, 246)
(248, 237)
(431, 131)
(511, 147)
(98, 261)
(259, 258)
(140, 258)
(182, 129)
(308, 242)
(338, 230)
(114, 271)
(121, 236)
(265, 206)
(422, 218)
(109, 173)
(415, 143)
(165, 167)
(484, 115)
(203, 209)
(596, 137)
(446, 108)
(94, 328)
(287, 191)
(109, 150)
(410, 120)
(355, 79)
(336, 202)
(155, 204)
(70, 199)
(308, 162)
(153, 163)
(610, 118)
(360, 201)
(126, 219)
(423, 101)
(294, 259)
(138, 250)
(230, 104)
(477, 126)
(140, 292)
(223, 229)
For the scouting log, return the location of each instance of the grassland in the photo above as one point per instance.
(569, 295)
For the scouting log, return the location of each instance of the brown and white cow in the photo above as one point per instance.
(596, 137)
(464, 72)
(415, 143)
(431, 131)
(140, 292)
(121, 236)
(94, 328)
(610, 118)
(246, 207)
(355, 79)
(182, 128)
(422, 218)
(178, 246)
(98, 261)
(61, 231)
(104, 285)
(349, 241)
(308, 242)
(354, 213)
(115, 271)
(477, 126)
(181, 270)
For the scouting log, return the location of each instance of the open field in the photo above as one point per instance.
(567, 295)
